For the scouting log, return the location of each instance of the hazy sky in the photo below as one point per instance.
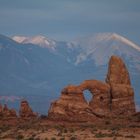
(67, 19)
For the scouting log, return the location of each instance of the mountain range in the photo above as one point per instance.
(37, 68)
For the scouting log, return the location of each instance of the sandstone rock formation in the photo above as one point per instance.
(5, 112)
(122, 94)
(69, 106)
(100, 103)
(111, 98)
(25, 111)
(117, 72)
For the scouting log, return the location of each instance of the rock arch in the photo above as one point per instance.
(101, 92)
(111, 98)
(88, 96)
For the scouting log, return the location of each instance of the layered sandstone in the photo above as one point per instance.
(111, 98)
(117, 72)
(72, 106)
(122, 94)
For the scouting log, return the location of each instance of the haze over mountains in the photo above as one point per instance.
(37, 68)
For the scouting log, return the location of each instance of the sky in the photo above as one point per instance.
(68, 19)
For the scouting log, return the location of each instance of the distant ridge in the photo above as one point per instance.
(40, 40)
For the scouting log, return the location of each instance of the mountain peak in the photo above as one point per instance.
(19, 39)
(125, 40)
(101, 46)
(39, 40)
(104, 38)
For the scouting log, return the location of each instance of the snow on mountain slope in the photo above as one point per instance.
(126, 41)
(99, 47)
(19, 39)
(36, 40)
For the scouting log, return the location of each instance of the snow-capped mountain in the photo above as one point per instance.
(28, 67)
(36, 40)
(99, 47)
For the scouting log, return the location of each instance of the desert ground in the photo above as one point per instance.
(44, 129)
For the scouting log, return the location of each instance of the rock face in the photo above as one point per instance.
(100, 91)
(69, 105)
(111, 98)
(122, 93)
(26, 111)
(117, 72)
(5, 112)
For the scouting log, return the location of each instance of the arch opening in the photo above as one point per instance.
(87, 95)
